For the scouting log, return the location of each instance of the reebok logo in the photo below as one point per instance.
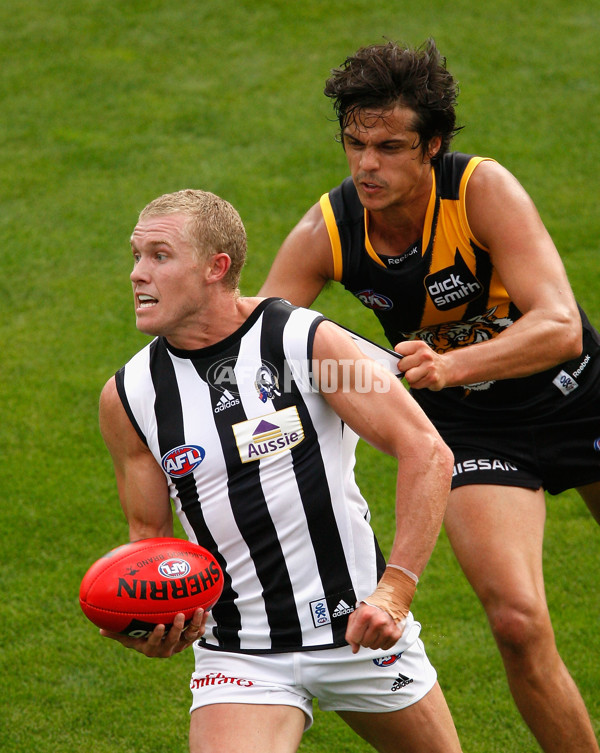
(342, 609)
(227, 400)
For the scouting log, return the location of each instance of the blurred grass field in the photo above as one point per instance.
(104, 106)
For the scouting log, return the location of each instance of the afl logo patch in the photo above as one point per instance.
(597, 444)
(386, 661)
(174, 568)
(182, 460)
(373, 300)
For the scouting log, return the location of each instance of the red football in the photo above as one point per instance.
(145, 583)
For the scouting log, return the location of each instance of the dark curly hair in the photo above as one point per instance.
(379, 77)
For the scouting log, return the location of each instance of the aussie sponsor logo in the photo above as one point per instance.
(268, 435)
(387, 661)
(372, 300)
(565, 382)
(320, 612)
(174, 568)
(182, 460)
(401, 682)
(483, 464)
(453, 286)
(218, 678)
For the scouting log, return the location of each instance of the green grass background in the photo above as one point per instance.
(104, 106)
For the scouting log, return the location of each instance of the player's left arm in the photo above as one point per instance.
(504, 219)
(144, 497)
(374, 403)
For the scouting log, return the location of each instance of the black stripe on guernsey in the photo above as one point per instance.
(251, 513)
(483, 272)
(312, 481)
(169, 416)
(120, 383)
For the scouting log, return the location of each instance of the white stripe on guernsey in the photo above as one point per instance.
(280, 487)
(350, 508)
(216, 509)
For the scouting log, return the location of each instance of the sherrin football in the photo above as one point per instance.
(139, 585)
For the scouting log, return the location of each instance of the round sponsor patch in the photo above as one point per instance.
(387, 661)
(182, 460)
(373, 300)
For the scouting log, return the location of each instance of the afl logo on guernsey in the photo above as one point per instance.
(182, 460)
(373, 300)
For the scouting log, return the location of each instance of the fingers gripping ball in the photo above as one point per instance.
(139, 585)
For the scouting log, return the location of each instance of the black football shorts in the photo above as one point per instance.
(557, 454)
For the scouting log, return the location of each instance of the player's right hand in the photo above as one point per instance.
(162, 645)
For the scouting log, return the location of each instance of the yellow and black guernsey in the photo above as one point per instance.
(443, 289)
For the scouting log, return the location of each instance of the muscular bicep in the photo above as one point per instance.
(141, 483)
(303, 264)
(503, 217)
(367, 396)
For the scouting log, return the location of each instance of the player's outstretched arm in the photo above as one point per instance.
(374, 403)
(504, 219)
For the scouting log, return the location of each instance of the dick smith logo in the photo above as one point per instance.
(453, 286)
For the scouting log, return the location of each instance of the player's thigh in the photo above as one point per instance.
(591, 496)
(246, 728)
(424, 727)
(497, 535)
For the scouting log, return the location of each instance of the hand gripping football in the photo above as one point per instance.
(139, 585)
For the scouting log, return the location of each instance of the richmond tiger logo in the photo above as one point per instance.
(453, 335)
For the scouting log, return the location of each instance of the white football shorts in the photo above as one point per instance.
(368, 681)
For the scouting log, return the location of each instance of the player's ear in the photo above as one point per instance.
(433, 148)
(218, 267)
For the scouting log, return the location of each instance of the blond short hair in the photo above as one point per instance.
(213, 226)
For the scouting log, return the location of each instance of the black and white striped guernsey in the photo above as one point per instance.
(260, 471)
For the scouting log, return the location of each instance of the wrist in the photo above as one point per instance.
(394, 592)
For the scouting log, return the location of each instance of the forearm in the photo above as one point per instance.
(534, 343)
(421, 496)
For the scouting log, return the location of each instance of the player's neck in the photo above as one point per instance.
(214, 323)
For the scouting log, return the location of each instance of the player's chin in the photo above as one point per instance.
(145, 324)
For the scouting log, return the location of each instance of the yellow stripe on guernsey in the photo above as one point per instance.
(334, 236)
(453, 232)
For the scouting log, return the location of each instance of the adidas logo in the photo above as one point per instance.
(226, 401)
(401, 682)
(342, 609)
